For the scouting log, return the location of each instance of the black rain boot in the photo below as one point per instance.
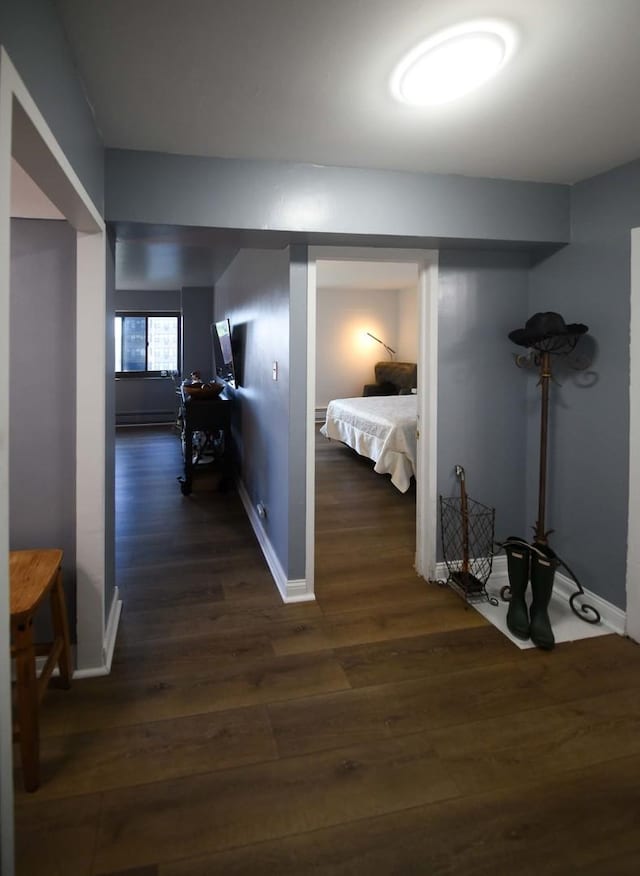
(517, 551)
(543, 568)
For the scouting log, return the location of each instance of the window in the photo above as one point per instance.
(147, 343)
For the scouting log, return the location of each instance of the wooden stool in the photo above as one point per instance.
(33, 574)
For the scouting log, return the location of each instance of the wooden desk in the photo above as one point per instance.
(34, 575)
(210, 415)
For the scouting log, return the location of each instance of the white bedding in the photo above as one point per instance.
(380, 427)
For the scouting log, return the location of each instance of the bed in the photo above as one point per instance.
(382, 428)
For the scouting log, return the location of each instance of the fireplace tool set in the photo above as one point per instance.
(465, 524)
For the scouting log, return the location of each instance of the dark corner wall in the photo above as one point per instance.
(42, 443)
(589, 282)
(197, 316)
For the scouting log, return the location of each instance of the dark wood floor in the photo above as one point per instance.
(384, 729)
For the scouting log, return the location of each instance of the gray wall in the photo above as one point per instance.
(589, 282)
(42, 442)
(254, 294)
(32, 34)
(481, 393)
(228, 193)
(149, 399)
(197, 316)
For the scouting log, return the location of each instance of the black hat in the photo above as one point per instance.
(548, 332)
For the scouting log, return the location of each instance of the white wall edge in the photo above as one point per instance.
(563, 586)
(633, 524)
(50, 169)
(298, 591)
(6, 728)
(310, 467)
(427, 424)
(104, 667)
(111, 631)
(295, 590)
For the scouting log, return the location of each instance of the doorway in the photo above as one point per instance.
(425, 265)
(26, 137)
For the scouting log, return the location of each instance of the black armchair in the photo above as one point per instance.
(392, 378)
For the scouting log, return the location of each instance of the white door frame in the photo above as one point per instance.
(633, 544)
(426, 463)
(24, 131)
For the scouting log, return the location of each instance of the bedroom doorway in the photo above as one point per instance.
(421, 265)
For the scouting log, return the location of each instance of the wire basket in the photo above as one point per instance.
(467, 529)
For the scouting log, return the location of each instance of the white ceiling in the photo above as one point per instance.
(307, 80)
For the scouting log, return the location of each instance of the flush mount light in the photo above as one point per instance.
(453, 62)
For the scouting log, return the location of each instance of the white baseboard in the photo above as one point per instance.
(108, 648)
(294, 590)
(563, 586)
(111, 631)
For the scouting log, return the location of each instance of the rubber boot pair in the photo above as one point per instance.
(539, 563)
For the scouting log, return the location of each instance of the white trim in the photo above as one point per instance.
(111, 631)
(633, 544)
(310, 468)
(80, 210)
(563, 586)
(290, 590)
(90, 448)
(24, 131)
(6, 729)
(104, 667)
(426, 463)
(298, 591)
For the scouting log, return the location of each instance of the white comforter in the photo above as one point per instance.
(382, 428)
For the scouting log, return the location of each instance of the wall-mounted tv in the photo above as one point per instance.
(222, 351)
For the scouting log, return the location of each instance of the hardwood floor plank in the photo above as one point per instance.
(588, 666)
(95, 704)
(552, 829)
(402, 708)
(210, 619)
(357, 627)
(370, 732)
(201, 654)
(125, 756)
(234, 807)
(436, 653)
(57, 840)
(505, 751)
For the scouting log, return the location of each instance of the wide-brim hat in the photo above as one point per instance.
(543, 329)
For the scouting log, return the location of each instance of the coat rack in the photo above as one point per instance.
(547, 335)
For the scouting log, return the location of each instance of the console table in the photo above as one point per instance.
(209, 415)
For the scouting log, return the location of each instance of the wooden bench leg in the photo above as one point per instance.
(27, 704)
(61, 630)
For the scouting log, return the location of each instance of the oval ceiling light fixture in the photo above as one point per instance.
(453, 62)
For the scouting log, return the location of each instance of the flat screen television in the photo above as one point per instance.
(222, 351)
